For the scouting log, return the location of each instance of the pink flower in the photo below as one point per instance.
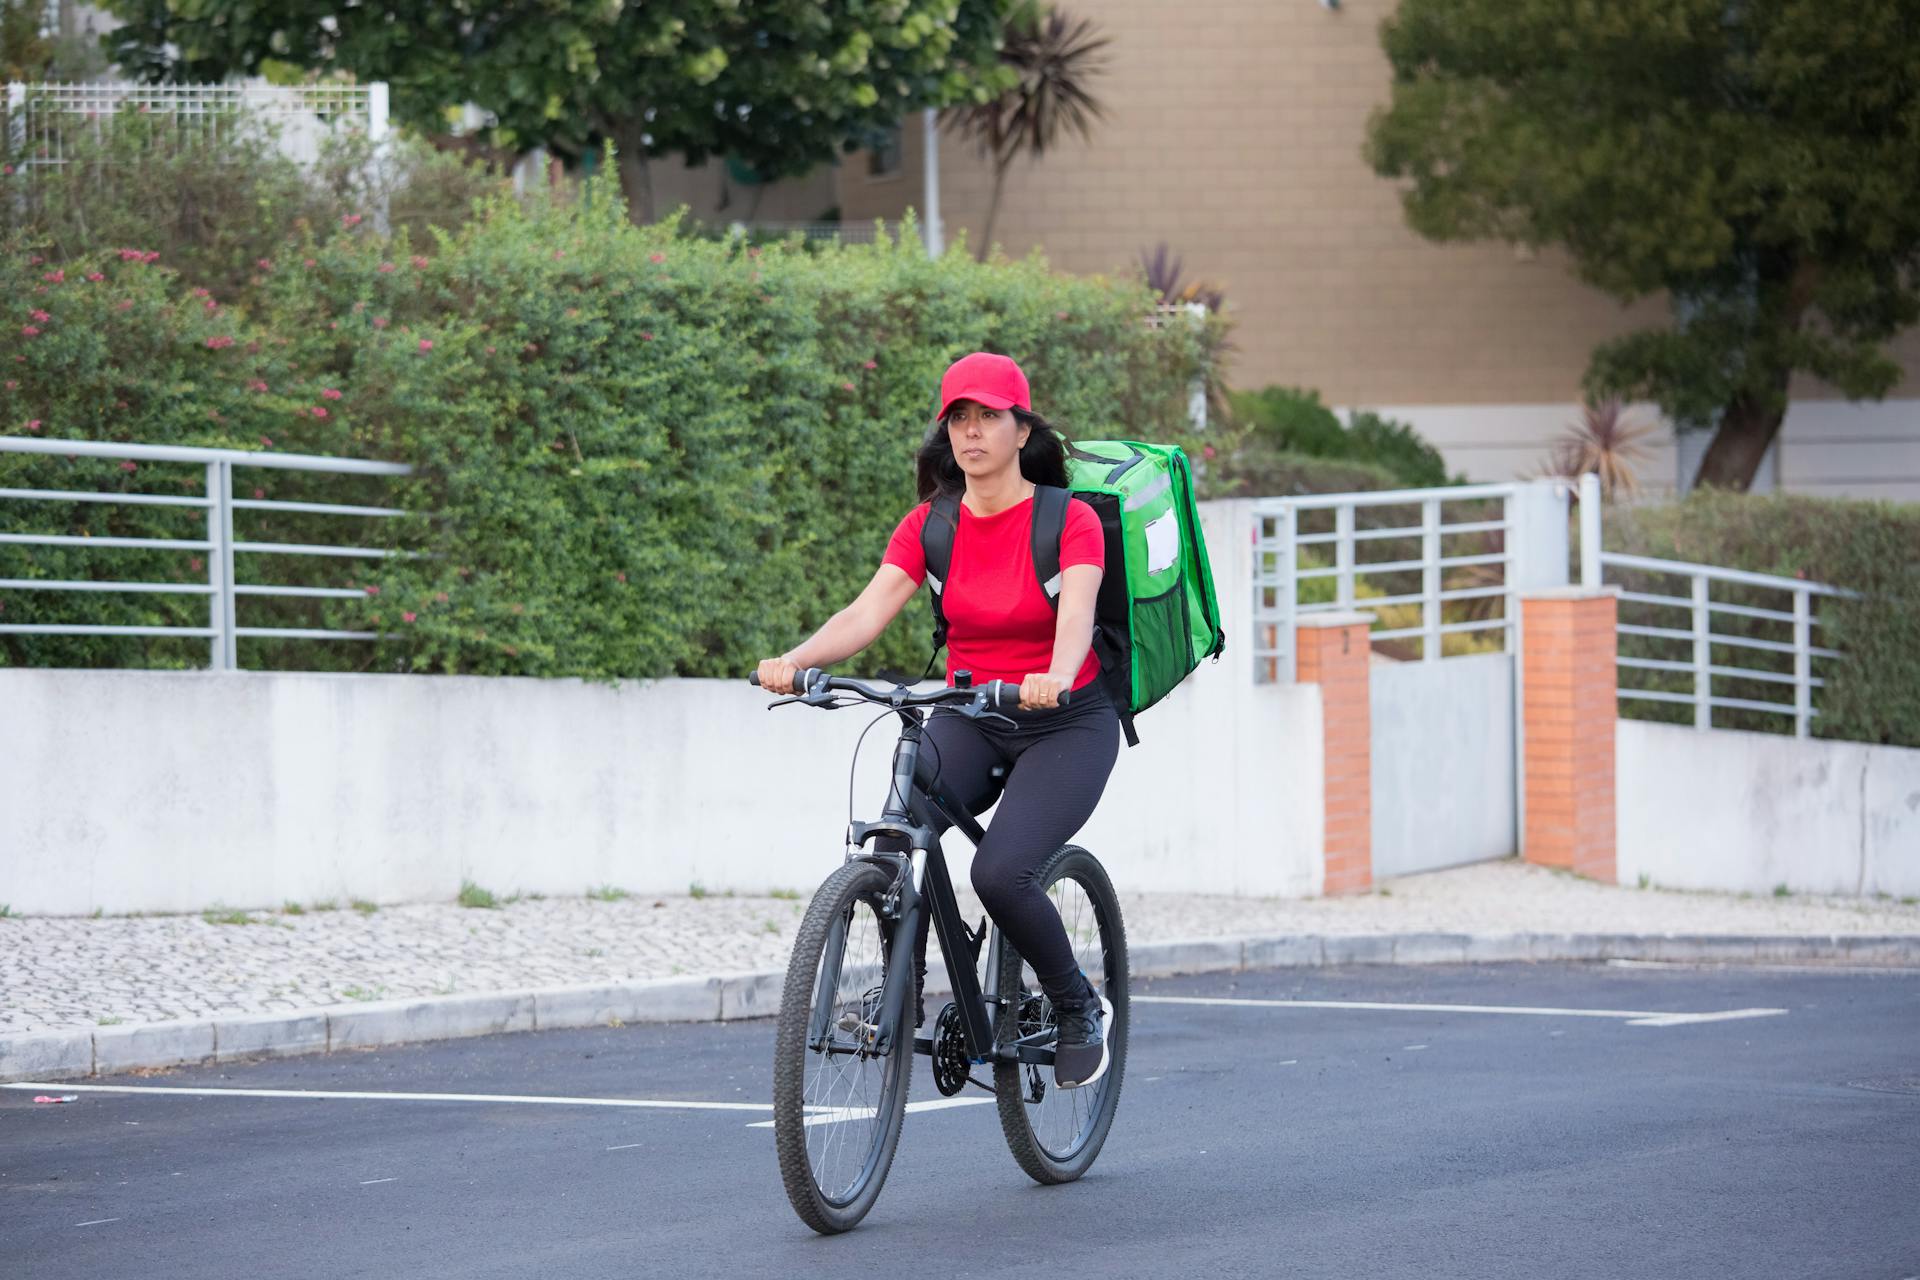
(256, 385)
(656, 257)
(129, 255)
(29, 331)
(846, 386)
(419, 262)
(266, 441)
(871, 364)
(385, 267)
(379, 322)
(559, 254)
(358, 307)
(33, 424)
(41, 317)
(12, 385)
(6, 170)
(129, 466)
(196, 564)
(318, 412)
(333, 324)
(307, 262)
(621, 576)
(96, 276)
(220, 343)
(265, 264)
(261, 493)
(489, 350)
(329, 394)
(373, 591)
(212, 306)
(426, 344)
(408, 616)
(126, 304)
(1206, 451)
(152, 255)
(202, 293)
(35, 260)
(646, 337)
(55, 277)
(351, 220)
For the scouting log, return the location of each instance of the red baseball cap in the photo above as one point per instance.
(994, 381)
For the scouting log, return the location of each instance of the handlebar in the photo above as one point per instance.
(996, 695)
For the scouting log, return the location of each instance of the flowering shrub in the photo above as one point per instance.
(636, 454)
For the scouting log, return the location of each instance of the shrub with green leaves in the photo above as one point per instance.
(1872, 694)
(1288, 420)
(636, 453)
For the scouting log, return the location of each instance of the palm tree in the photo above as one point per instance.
(1605, 441)
(1054, 56)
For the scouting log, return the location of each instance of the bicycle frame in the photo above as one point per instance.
(922, 883)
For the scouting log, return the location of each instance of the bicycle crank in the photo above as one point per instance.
(950, 1061)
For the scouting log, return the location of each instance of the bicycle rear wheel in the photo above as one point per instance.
(1055, 1134)
(837, 1105)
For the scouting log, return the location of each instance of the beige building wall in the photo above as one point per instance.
(1233, 133)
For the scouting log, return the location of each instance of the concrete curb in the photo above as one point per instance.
(75, 1052)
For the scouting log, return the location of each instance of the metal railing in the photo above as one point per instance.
(1343, 556)
(39, 115)
(1742, 657)
(220, 546)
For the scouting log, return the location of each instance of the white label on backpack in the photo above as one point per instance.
(1163, 542)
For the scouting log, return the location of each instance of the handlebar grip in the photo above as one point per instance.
(803, 679)
(1004, 695)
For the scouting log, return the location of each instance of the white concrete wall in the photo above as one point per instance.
(171, 791)
(1746, 812)
(1443, 762)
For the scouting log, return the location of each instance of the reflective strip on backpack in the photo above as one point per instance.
(1052, 587)
(1152, 491)
(934, 582)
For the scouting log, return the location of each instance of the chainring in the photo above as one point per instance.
(950, 1061)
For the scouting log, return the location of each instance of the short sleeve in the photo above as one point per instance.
(904, 549)
(1082, 541)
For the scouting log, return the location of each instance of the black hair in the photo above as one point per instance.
(1043, 458)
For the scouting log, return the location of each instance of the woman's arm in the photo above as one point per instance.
(846, 632)
(1072, 636)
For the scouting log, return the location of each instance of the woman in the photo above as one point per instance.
(988, 447)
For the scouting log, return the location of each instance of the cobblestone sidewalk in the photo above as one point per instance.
(69, 973)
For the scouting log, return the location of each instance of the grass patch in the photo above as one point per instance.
(696, 890)
(111, 1020)
(6, 910)
(594, 953)
(1645, 880)
(608, 893)
(291, 908)
(325, 904)
(768, 926)
(364, 907)
(217, 914)
(789, 895)
(97, 913)
(1781, 891)
(364, 993)
(472, 895)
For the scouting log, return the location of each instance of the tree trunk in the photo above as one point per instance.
(635, 184)
(1746, 429)
(985, 246)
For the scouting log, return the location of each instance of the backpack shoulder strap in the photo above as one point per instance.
(1049, 525)
(936, 543)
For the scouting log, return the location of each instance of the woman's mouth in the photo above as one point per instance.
(973, 453)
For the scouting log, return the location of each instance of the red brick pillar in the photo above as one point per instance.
(1569, 687)
(1332, 650)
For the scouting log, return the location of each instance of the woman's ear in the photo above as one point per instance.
(1025, 433)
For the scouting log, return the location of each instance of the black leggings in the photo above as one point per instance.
(1057, 765)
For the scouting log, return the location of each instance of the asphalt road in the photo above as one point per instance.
(1252, 1140)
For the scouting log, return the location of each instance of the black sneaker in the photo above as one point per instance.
(1080, 1054)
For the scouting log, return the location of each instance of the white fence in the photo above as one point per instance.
(1685, 641)
(40, 116)
(219, 546)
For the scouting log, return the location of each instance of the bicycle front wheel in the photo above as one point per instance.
(837, 1104)
(1055, 1133)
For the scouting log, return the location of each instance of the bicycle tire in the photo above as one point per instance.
(852, 893)
(1034, 1139)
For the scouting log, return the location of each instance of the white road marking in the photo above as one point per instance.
(1744, 965)
(374, 1182)
(1291, 1062)
(627, 1146)
(824, 1116)
(358, 1095)
(1410, 1048)
(1633, 1017)
(96, 1222)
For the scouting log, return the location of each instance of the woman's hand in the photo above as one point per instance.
(1038, 691)
(776, 675)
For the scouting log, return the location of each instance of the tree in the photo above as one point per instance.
(1052, 58)
(780, 85)
(25, 49)
(1756, 160)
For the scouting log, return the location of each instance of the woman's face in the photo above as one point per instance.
(985, 441)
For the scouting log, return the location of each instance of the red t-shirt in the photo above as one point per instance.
(999, 623)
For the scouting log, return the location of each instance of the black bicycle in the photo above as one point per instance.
(845, 1045)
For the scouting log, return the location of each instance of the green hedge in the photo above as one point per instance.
(643, 454)
(1289, 420)
(1873, 693)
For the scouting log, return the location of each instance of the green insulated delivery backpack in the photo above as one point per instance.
(1157, 615)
